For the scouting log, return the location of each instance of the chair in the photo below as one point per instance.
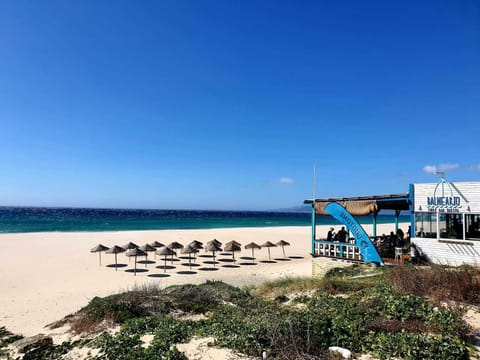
(398, 254)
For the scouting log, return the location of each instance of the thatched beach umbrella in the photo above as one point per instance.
(146, 248)
(189, 250)
(99, 248)
(268, 245)
(156, 244)
(232, 246)
(253, 246)
(197, 245)
(165, 251)
(215, 242)
(174, 245)
(213, 248)
(233, 242)
(283, 243)
(135, 252)
(130, 246)
(115, 250)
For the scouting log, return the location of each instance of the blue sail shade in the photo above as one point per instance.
(367, 249)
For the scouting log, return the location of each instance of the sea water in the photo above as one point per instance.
(35, 219)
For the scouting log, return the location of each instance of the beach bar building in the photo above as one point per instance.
(444, 223)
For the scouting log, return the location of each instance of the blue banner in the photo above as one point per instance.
(367, 249)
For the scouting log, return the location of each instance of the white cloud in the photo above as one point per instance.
(433, 169)
(475, 167)
(430, 169)
(286, 180)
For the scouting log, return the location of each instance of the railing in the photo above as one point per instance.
(335, 249)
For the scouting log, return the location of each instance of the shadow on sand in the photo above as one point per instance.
(138, 270)
(186, 272)
(231, 266)
(118, 265)
(268, 261)
(207, 269)
(168, 267)
(158, 275)
(248, 263)
(282, 259)
(295, 257)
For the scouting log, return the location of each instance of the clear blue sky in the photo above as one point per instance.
(228, 104)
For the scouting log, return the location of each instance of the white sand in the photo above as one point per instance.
(46, 276)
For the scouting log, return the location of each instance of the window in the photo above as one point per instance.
(451, 226)
(426, 224)
(472, 226)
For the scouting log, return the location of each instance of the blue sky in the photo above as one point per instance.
(228, 104)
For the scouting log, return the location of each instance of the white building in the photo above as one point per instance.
(445, 219)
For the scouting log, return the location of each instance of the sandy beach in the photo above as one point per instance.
(46, 276)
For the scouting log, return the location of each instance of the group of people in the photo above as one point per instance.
(340, 236)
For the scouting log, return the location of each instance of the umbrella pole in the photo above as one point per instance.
(253, 256)
(213, 259)
(233, 256)
(165, 264)
(190, 261)
(269, 257)
(99, 258)
(283, 249)
(135, 270)
(115, 261)
(146, 258)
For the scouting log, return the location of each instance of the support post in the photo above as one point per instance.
(314, 225)
(375, 224)
(397, 214)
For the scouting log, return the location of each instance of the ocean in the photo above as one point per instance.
(35, 219)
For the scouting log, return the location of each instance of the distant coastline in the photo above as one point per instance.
(38, 219)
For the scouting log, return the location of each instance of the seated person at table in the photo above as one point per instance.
(330, 234)
(342, 235)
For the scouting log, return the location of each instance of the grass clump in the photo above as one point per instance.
(438, 282)
(6, 338)
(152, 301)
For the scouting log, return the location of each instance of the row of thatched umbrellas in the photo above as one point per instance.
(213, 246)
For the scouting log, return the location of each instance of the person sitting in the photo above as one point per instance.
(342, 235)
(331, 234)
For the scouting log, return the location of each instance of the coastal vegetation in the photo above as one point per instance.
(404, 312)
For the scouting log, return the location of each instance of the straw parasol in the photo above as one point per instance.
(268, 245)
(233, 242)
(130, 246)
(189, 250)
(115, 250)
(215, 241)
(283, 243)
(99, 248)
(136, 252)
(156, 244)
(165, 251)
(197, 245)
(232, 246)
(253, 246)
(146, 248)
(213, 248)
(174, 245)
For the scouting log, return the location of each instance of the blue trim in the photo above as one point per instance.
(412, 210)
(367, 249)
